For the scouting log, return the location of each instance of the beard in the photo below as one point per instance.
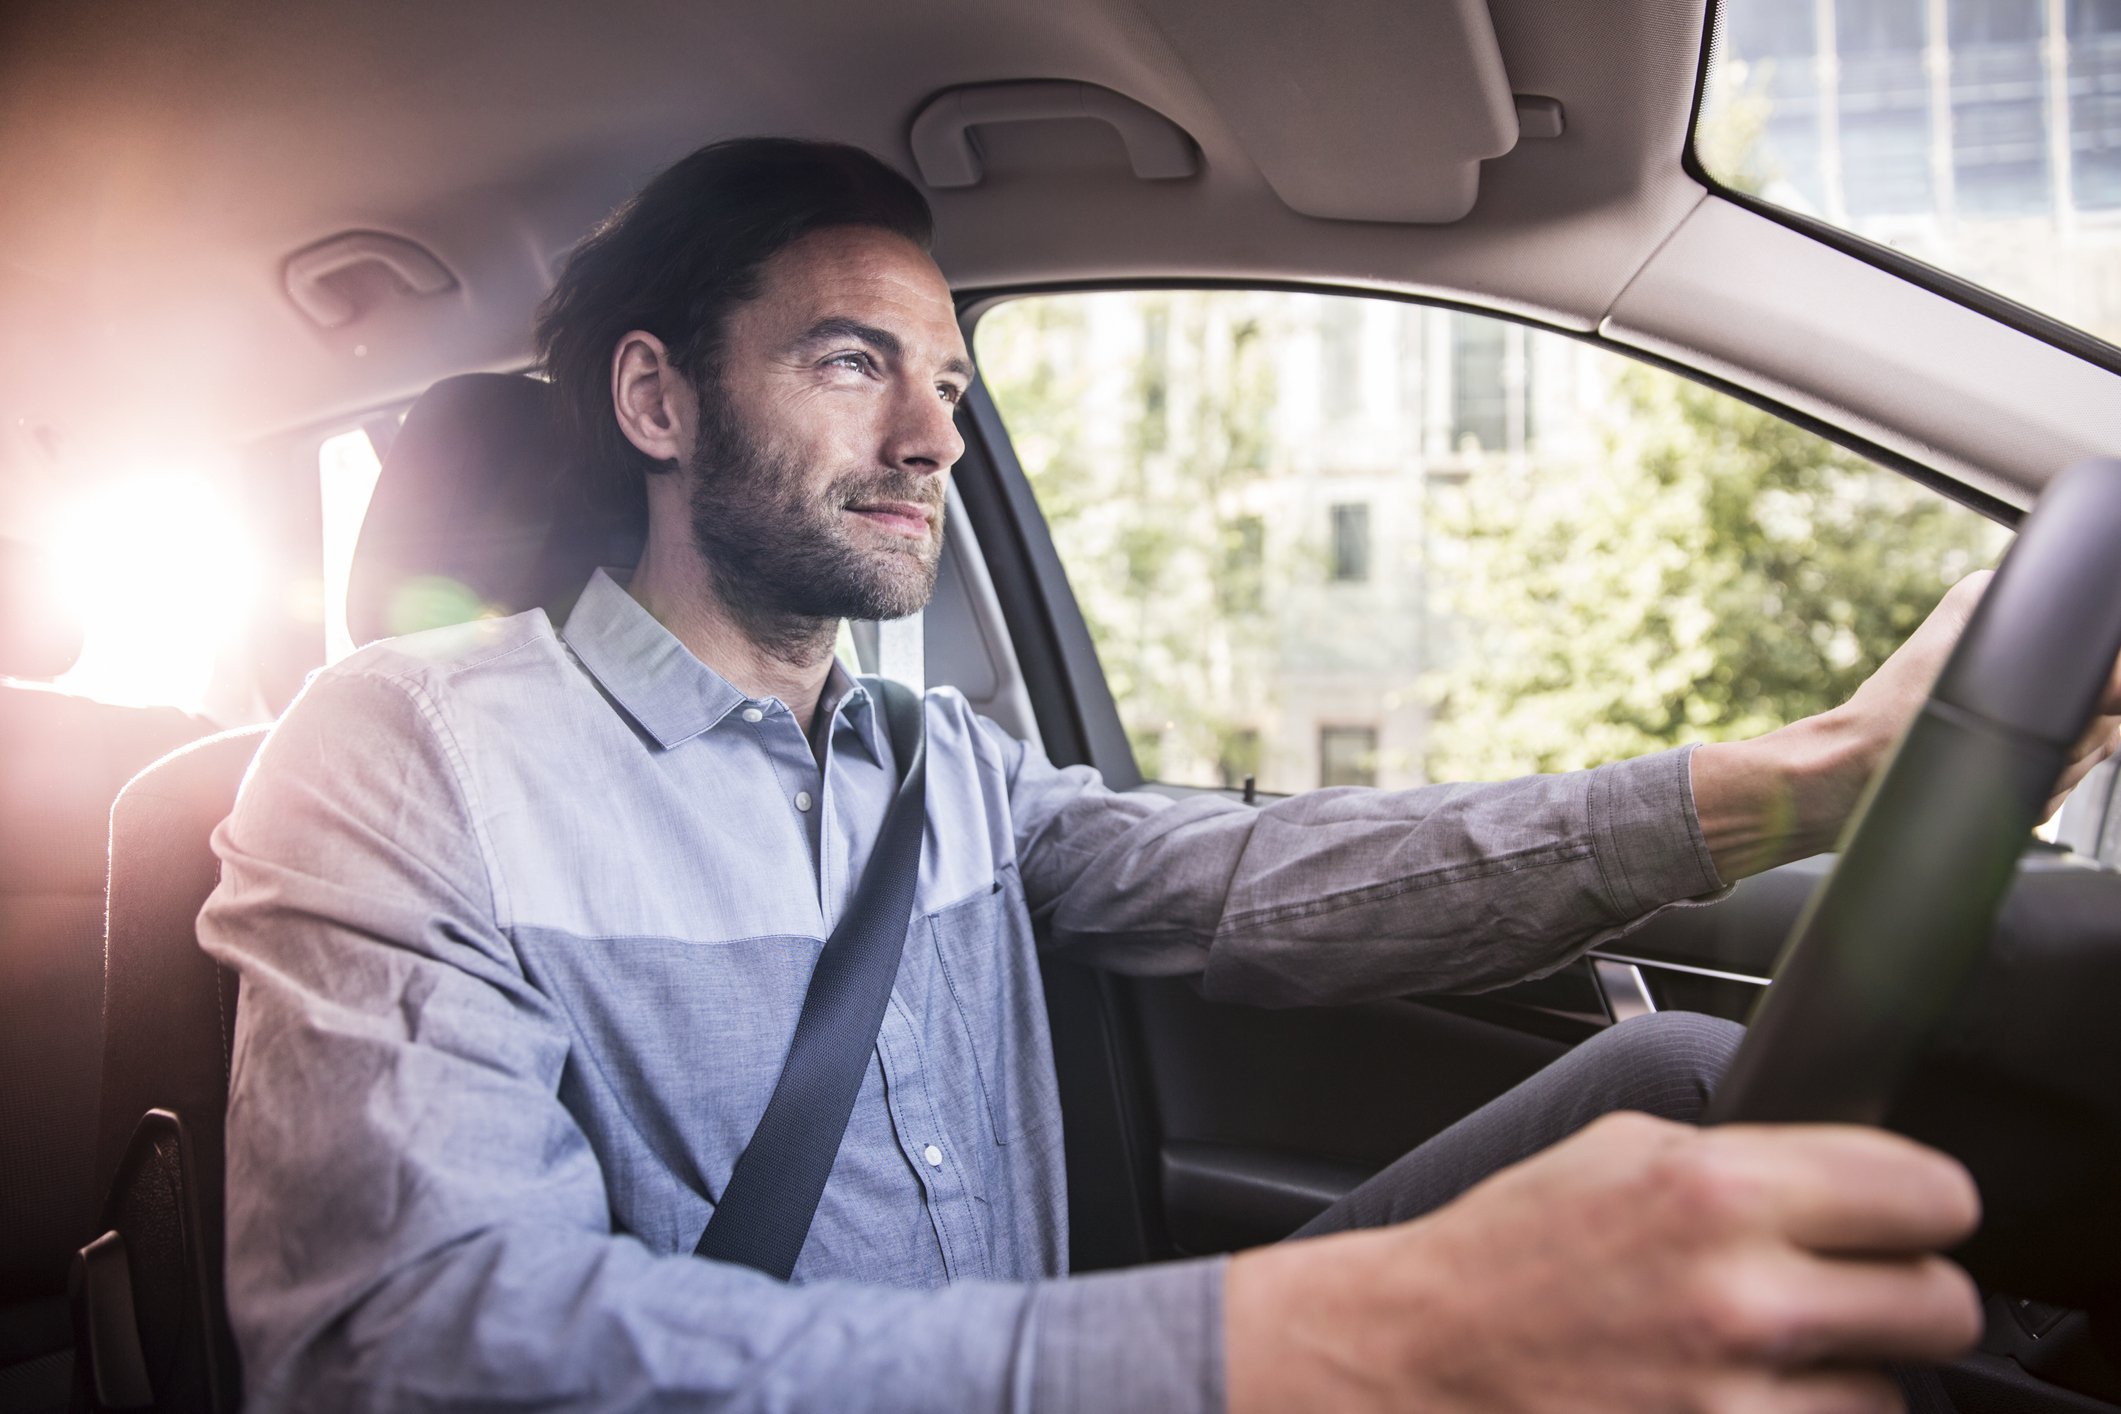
(785, 559)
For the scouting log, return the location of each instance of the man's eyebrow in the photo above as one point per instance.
(884, 341)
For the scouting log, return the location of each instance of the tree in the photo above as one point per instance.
(1148, 507)
(1717, 572)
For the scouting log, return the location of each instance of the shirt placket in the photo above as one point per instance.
(796, 769)
(935, 1156)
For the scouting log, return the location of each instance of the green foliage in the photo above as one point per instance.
(1163, 555)
(1718, 572)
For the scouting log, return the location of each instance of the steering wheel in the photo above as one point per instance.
(1883, 953)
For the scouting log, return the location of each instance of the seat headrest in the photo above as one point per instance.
(474, 515)
(39, 636)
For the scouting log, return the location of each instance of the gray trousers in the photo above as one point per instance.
(1665, 1064)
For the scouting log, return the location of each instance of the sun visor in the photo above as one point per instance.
(1366, 110)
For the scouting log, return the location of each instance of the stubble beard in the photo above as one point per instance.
(780, 559)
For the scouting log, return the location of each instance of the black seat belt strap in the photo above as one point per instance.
(773, 1191)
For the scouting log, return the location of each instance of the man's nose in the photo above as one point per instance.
(924, 432)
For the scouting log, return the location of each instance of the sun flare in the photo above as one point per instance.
(162, 574)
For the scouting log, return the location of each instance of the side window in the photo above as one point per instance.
(1333, 540)
(347, 469)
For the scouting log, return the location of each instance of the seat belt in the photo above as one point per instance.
(773, 1191)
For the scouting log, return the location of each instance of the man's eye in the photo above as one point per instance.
(951, 395)
(859, 362)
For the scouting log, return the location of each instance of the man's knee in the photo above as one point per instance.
(1667, 1063)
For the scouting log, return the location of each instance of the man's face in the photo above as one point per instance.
(825, 444)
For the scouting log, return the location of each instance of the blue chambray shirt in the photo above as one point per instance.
(524, 921)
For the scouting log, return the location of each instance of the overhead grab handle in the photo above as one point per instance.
(1157, 148)
(310, 269)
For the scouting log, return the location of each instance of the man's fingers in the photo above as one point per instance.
(1840, 1392)
(1847, 1308)
(1849, 1188)
(1824, 1392)
(2098, 744)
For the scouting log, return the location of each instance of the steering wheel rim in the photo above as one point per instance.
(1887, 944)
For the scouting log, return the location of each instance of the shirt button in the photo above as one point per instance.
(934, 1156)
(802, 800)
(753, 714)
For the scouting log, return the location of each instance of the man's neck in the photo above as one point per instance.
(788, 658)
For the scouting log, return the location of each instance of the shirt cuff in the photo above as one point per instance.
(1646, 835)
(1149, 1338)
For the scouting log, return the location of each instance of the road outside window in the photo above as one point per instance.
(1338, 540)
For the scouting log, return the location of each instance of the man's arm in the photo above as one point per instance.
(416, 1220)
(1341, 894)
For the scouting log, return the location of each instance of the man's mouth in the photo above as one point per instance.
(899, 517)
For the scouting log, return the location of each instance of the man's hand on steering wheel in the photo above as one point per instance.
(1882, 707)
(1790, 793)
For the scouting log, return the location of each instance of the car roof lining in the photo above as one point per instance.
(154, 221)
(142, 259)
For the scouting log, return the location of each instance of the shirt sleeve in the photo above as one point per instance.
(417, 1222)
(1350, 893)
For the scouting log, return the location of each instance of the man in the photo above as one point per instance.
(524, 919)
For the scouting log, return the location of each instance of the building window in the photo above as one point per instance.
(1347, 756)
(1239, 757)
(1781, 43)
(1885, 106)
(1340, 366)
(1999, 107)
(1156, 377)
(1479, 402)
(1351, 542)
(1243, 586)
(2094, 103)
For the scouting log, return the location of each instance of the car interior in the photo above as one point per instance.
(246, 250)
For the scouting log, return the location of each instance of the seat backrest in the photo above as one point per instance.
(62, 760)
(470, 503)
(474, 514)
(168, 1023)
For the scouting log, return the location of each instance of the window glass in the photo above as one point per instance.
(1298, 566)
(1351, 542)
(1347, 756)
(1980, 136)
(347, 468)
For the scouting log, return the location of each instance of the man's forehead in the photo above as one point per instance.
(875, 276)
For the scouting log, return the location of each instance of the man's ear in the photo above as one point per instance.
(655, 404)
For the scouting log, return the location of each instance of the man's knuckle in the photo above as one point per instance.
(1744, 1315)
(1702, 1187)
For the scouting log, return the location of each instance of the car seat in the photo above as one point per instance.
(471, 515)
(62, 760)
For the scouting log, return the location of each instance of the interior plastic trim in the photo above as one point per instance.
(948, 156)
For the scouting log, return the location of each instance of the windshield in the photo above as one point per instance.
(1980, 136)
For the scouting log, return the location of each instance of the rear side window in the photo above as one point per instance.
(1333, 540)
(347, 470)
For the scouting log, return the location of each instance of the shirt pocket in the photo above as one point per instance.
(984, 951)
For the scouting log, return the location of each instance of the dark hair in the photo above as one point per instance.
(678, 258)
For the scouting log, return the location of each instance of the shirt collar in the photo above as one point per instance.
(852, 704)
(663, 686)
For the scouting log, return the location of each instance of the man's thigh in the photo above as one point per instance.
(1666, 1064)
